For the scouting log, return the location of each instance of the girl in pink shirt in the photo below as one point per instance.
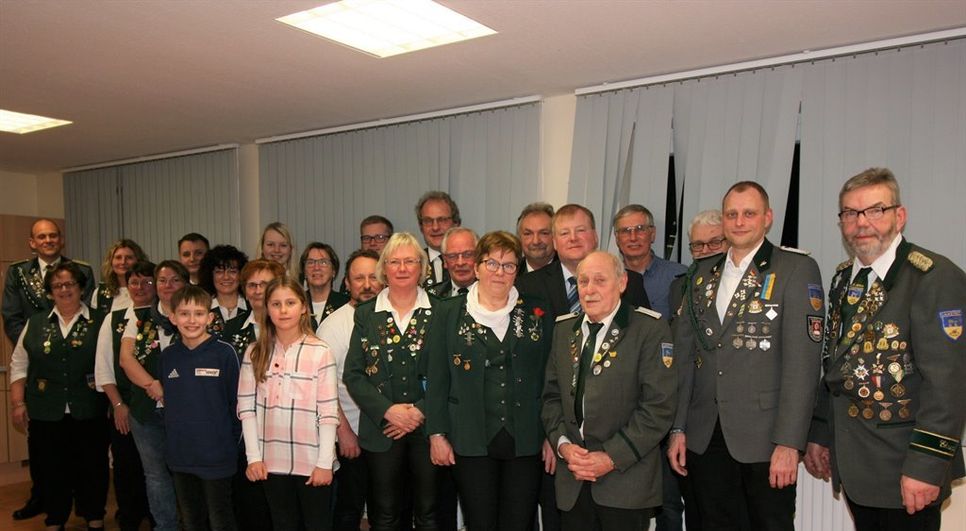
(288, 405)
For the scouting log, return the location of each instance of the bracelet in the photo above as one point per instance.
(676, 430)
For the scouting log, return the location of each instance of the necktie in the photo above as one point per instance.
(463, 291)
(853, 295)
(572, 297)
(586, 357)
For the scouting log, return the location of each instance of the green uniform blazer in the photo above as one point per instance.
(23, 294)
(381, 371)
(629, 401)
(60, 372)
(457, 367)
(756, 370)
(904, 347)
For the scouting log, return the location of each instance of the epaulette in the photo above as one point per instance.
(843, 265)
(794, 250)
(646, 311)
(920, 261)
(566, 316)
(21, 262)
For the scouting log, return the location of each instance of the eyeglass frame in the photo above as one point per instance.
(717, 244)
(869, 213)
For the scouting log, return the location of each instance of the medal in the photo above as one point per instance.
(853, 410)
(466, 365)
(867, 347)
(898, 390)
(740, 328)
(903, 410)
(765, 329)
(848, 384)
(867, 413)
(890, 330)
(885, 415)
(751, 344)
(752, 328)
(878, 394)
(755, 306)
(883, 344)
(457, 360)
(864, 392)
(606, 363)
(764, 344)
(597, 370)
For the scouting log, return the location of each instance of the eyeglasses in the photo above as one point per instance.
(174, 281)
(365, 238)
(321, 262)
(465, 255)
(230, 271)
(396, 263)
(712, 245)
(629, 232)
(493, 266)
(63, 285)
(255, 285)
(872, 213)
(138, 284)
(429, 222)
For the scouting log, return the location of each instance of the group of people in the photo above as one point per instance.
(499, 373)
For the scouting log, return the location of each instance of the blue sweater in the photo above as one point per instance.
(200, 394)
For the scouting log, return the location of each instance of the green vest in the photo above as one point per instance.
(147, 350)
(495, 396)
(61, 370)
(118, 324)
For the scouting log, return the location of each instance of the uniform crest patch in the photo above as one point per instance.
(815, 328)
(667, 354)
(815, 296)
(952, 323)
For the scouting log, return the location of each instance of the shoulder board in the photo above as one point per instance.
(844, 265)
(566, 316)
(920, 261)
(22, 262)
(645, 311)
(794, 250)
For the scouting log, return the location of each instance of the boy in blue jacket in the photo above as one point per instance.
(199, 375)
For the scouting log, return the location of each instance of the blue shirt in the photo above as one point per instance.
(657, 282)
(200, 396)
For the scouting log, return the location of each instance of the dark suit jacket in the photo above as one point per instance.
(629, 401)
(756, 372)
(547, 283)
(905, 349)
(455, 396)
(335, 301)
(23, 294)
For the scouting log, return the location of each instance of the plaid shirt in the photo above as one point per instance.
(289, 420)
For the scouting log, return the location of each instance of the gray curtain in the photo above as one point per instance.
(323, 186)
(622, 143)
(903, 109)
(153, 203)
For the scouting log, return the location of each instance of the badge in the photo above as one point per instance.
(457, 360)
(597, 370)
(667, 354)
(466, 365)
(878, 394)
(755, 306)
(902, 345)
(952, 323)
(815, 328)
(606, 363)
(708, 331)
(751, 344)
(815, 296)
(699, 281)
(848, 384)
(867, 413)
(903, 410)
(867, 347)
(883, 344)
(885, 415)
(853, 410)
(597, 357)
(864, 392)
(737, 342)
(898, 390)
(890, 330)
(767, 286)
(854, 294)
(894, 345)
(698, 362)
(765, 329)
(752, 328)
(764, 344)
(771, 314)
(41, 385)
(740, 328)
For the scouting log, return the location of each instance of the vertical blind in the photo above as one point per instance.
(322, 187)
(153, 203)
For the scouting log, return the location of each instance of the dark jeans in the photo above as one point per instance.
(248, 497)
(350, 493)
(588, 515)
(204, 503)
(879, 519)
(296, 506)
(498, 494)
(725, 488)
(669, 517)
(72, 455)
(406, 458)
(132, 498)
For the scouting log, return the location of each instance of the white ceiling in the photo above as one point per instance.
(140, 78)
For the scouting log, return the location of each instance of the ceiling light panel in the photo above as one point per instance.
(387, 27)
(20, 123)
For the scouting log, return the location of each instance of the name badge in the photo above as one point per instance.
(207, 372)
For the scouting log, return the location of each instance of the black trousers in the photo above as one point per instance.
(73, 458)
(387, 484)
(498, 494)
(588, 515)
(205, 504)
(879, 519)
(132, 498)
(724, 488)
(296, 506)
(669, 518)
(350, 494)
(549, 513)
(248, 497)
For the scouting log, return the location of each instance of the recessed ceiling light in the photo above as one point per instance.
(387, 27)
(20, 123)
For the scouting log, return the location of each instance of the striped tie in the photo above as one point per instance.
(572, 297)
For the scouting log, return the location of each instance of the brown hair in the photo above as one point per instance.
(190, 294)
(872, 177)
(499, 239)
(262, 350)
(571, 210)
(261, 264)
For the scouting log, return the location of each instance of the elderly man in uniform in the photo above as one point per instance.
(533, 229)
(459, 258)
(753, 360)
(436, 213)
(23, 296)
(889, 413)
(609, 399)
